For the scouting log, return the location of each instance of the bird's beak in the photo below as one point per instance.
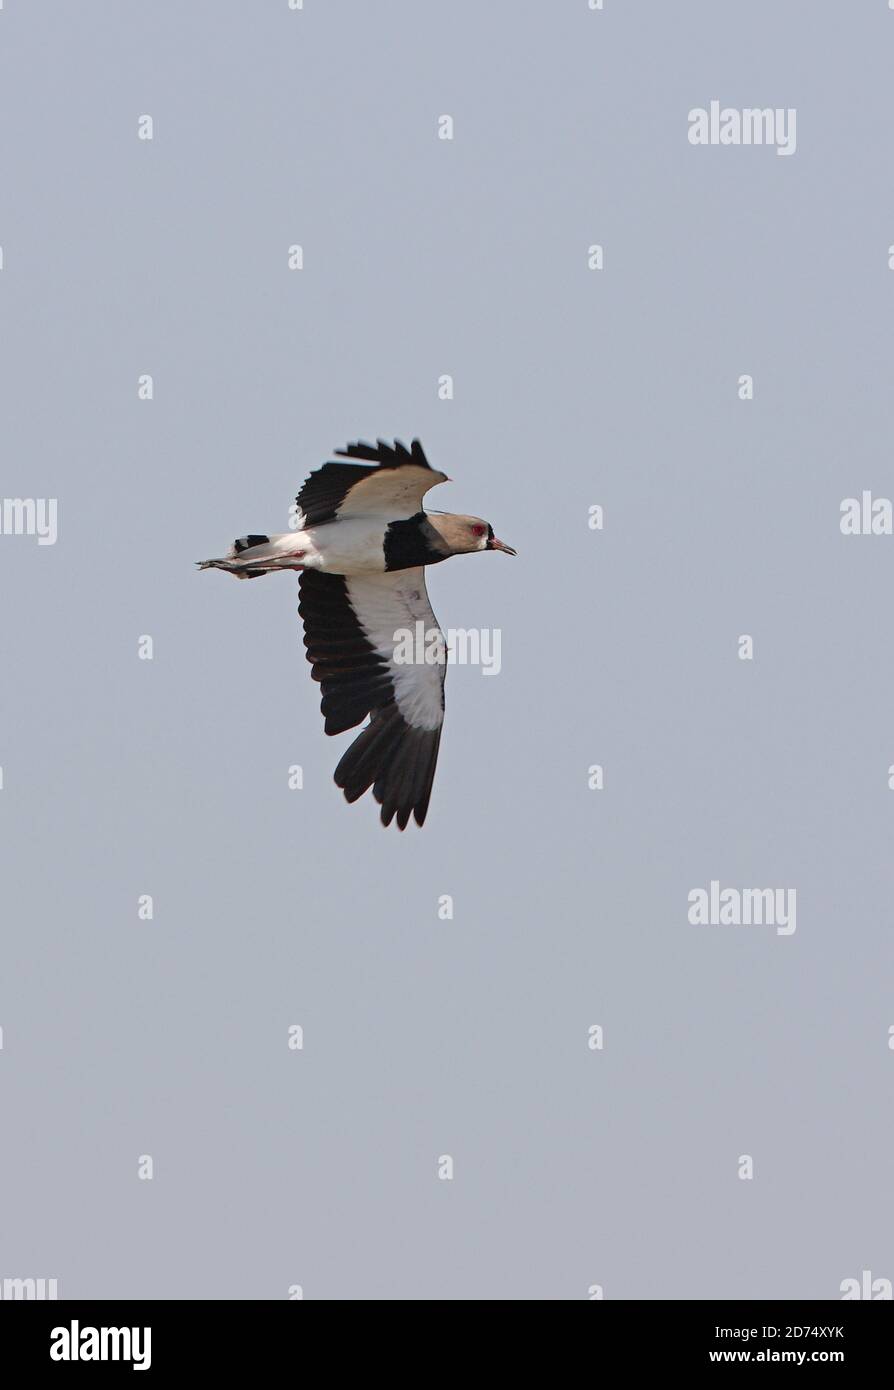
(494, 544)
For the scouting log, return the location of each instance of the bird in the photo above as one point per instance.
(361, 542)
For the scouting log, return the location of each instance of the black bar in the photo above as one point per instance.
(212, 1336)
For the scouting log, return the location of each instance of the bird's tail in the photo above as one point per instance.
(251, 556)
(231, 567)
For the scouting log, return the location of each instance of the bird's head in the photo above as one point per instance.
(461, 535)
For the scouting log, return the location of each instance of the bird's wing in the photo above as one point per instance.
(393, 488)
(352, 627)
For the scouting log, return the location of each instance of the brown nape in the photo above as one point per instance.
(455, 533)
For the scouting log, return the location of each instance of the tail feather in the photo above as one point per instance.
(246, 543)
(251, 556)
(230, 566)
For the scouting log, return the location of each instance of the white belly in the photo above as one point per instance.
(344, 547)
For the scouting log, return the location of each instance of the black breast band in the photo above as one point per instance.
(412, 542)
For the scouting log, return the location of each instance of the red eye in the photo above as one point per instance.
(479, 530)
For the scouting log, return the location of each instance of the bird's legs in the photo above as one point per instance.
(253, 569)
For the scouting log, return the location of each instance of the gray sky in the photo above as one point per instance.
(573, 1167)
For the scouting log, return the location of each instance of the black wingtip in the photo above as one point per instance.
(395, 759)
(394, 455)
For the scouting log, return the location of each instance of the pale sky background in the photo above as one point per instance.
(123, 777)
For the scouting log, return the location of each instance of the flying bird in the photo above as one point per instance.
(361, 544)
